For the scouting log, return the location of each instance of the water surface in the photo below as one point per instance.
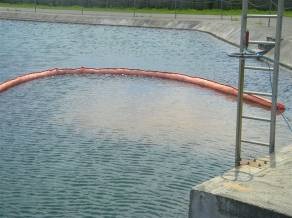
(117, 146)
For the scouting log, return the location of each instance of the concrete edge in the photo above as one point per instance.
(211, 206)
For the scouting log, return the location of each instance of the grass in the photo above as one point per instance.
(142, 10)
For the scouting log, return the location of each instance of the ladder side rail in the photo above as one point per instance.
(241, 82)
(276, 75)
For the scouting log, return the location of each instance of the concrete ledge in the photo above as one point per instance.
(248, 191)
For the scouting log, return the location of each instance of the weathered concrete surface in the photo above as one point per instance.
(249, 191)
(99, 19)
(227, 28)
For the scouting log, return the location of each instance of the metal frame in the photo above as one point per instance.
(242, 67)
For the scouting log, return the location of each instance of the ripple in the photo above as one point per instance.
(115, 146)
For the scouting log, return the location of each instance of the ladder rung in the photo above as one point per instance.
(262, 15)
(255, 143)
(258, 68)
(262, 42)
(258, 93)
(256, 118)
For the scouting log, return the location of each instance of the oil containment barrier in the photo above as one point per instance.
(226, 89)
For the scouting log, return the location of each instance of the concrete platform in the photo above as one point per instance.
(258, 189)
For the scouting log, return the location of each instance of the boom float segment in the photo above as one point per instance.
(144, 73)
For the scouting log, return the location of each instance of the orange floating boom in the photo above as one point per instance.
(144, 73)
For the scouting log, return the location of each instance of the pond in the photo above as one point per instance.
(118, 146)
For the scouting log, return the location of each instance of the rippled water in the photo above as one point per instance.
(108, 146)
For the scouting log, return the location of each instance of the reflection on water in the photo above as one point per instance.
(107, 146)
(135, 109)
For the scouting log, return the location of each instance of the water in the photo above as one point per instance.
(110, 146)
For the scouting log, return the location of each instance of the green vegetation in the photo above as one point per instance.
(229, 12)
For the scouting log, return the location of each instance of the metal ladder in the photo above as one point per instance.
(242, 67)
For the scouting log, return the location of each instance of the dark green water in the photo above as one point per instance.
(107, 146)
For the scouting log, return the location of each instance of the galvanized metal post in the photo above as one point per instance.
(241, 82)
(276, 75)
(35, 3)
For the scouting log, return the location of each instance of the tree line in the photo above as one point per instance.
(169, 4)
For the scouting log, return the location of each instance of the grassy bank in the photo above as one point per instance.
(140, 10)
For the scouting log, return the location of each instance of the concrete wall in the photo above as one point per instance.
(206, 205)
(92, 19)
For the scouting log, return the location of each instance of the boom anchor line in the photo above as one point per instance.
(198, 81)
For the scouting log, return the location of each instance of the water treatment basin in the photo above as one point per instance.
(117, 146)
